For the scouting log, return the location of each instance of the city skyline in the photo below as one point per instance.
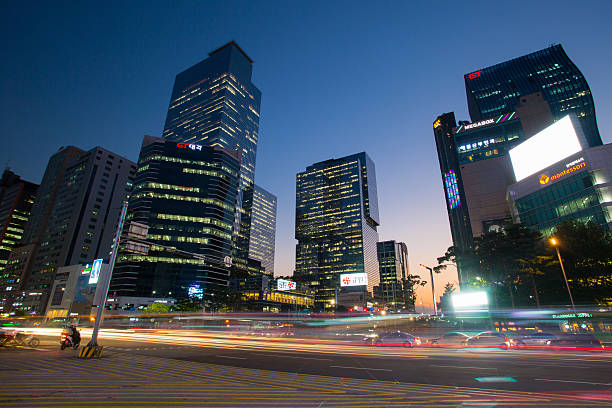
(295, 131)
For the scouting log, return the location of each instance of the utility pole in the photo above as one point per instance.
(99, 313)
(433, 288)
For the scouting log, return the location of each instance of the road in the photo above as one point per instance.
(213, 369)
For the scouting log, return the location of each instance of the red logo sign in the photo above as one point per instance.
(291, 285)
(474, 75)
(347, 280)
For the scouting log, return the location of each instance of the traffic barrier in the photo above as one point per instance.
(90, 352)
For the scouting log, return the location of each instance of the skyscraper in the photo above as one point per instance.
(263, 228)
(214, 103)
(16, 200)
(17, 267)
(496, 90)
(335, 224)
(186, 194)
(393, 266)
(83, 220)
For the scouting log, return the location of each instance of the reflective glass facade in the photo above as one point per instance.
(393, 266)
(186, 195)
(495, 90)
(575, 197)
(336, 221)
(214, 103)
(263, 228)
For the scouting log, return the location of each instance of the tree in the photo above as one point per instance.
(157, 308)
(445, 300)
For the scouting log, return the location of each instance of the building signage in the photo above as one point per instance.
(282, 284)
(195, 291)
(474, 75)
(437, 123)
(353, 279)
(189, 146)
(452, 189)
(479, 124)
(94, 275)
(570, 168)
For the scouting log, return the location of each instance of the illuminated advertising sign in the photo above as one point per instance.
(353, 279)
(475, 75)
(479, 124)
(570, 168)
(195, 291)
(94, 275)
(282, 284)
(437, 123)
(189, 146)
(452, 190)
(544, 149)
(470, 301)
(505, 117)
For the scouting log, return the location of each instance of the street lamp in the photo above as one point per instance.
(555, 243)
(433, 288)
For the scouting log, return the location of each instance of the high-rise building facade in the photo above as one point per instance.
(394, 273)
(496, 90)
(335, 224)
(186, 194)
(19, 262)
(214, 103)
(16, 200)
(263, 228)
(82, 223)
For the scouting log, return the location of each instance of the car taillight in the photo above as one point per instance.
(417, 340)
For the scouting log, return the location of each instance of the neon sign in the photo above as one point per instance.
(474, 75)
(452, 189)
(544, 179)
(437, 123)
(189, 145)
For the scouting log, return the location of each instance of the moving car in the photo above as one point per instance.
(489, 339)
(450, 339)
(579, 341)
(533, 339)
(396, 339)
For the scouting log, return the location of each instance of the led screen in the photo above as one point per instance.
(470, 301)
(546, 148)
(452, 190)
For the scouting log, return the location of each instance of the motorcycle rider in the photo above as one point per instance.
(75, 335)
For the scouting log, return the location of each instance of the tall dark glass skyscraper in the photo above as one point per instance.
(335, 224)
(186, 194)
(214, 103)
(495, 90)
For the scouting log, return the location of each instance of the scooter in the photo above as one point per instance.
(24, 339)
(66, 341)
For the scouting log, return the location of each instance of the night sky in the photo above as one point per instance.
(337, 78)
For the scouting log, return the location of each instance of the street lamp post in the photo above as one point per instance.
(555, 243)
(433, 288)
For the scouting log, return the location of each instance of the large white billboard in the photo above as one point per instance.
(282, 284)
(353, 279)
(544, 149)
(470, 301)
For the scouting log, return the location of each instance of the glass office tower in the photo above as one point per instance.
(393, 266)
(335, 224)
(214, 103)
(495, 90)
(263, 228)
(186, 194)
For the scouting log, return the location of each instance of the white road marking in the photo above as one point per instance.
(361, 368)
(568, 381)
(472, 368)
(284, 356)
(237, 358)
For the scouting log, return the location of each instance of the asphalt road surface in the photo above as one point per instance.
(224, 370)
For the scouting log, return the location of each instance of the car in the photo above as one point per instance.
(532, 339)
(580, 341)
(450, 339)
(488, 339)
(396, 339)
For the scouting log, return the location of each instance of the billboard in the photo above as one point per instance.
(353, 279)
(94, 275)
(283, 284)
(470, 301)
(545, 148)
